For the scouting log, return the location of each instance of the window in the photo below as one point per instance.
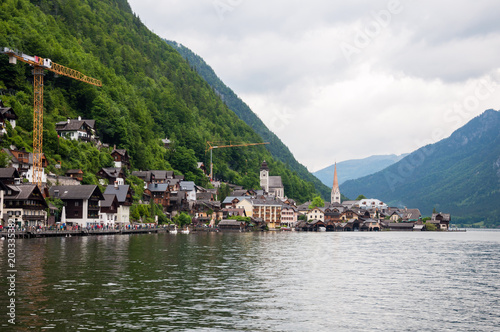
(77, 203)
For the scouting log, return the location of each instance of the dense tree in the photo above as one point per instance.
(316, 202)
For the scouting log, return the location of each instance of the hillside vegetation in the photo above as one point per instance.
(458, 175)
(149, 92)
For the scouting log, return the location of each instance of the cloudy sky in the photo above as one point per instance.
(339, 80)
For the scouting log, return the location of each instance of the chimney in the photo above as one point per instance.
(116, 184)
(79, 118)
(68, 120)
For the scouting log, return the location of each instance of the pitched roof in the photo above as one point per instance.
(162, 187)
(275, 182)
(75, 192)
(120, 191)
(112, 172)
(187, 185)
(108, 200)
(74, 171)
(9, 173)
(23, 192)
(121, 152)
(230, 222)
(73, 125)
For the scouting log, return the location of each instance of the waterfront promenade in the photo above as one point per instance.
(28, 234)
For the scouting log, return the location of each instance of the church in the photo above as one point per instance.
(271, 184)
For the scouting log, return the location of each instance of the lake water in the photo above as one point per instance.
(354, 281)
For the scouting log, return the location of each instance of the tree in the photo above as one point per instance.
(430, 227)
(316, 202)
(182, 219)
(223, 192)
(4, 159)
(360, 197)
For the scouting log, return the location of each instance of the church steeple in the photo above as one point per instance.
(335, 198)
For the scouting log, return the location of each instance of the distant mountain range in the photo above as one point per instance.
(458, 175)
(356, 168)
(276, 147)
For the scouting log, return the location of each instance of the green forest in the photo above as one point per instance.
(149, 92)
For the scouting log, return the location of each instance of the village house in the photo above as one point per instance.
(410, 215)
(289, 216)
(25, 204)
(190, 189)
(22, 160)
(77, 129)
(231, 225)
(123, 195)
(120, 158)
(109, 210)
(317, 213)
(159, 193)
(76, 174)
(7, 115)
(9, 175)
(441, 220)
(112, 175)
(269, 210)
(372, 203)
(82, 205)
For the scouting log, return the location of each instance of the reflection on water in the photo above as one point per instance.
(259, 282)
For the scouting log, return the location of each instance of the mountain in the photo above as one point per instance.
(458, 175)
(149, 92)
(279, 150)
(356, 168)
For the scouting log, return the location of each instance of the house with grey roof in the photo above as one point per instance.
(109, 210)
(189, 188)
(441, 220)
(124, 198)
(77, 129)
(112, 175)
(82, 203)
(120, 158)
(25, 205)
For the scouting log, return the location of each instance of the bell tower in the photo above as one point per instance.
(264, 176)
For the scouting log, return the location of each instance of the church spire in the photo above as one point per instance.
(335, 179)
(335, 198)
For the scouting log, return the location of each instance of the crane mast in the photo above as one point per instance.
(211, 146)
(39, 66)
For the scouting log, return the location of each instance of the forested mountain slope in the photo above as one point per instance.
(149, 92)
(458, 175)
(279, 150)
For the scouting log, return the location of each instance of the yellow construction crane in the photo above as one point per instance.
(39, 65)
(222, 144)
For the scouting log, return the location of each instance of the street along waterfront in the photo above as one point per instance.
(269, 281)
